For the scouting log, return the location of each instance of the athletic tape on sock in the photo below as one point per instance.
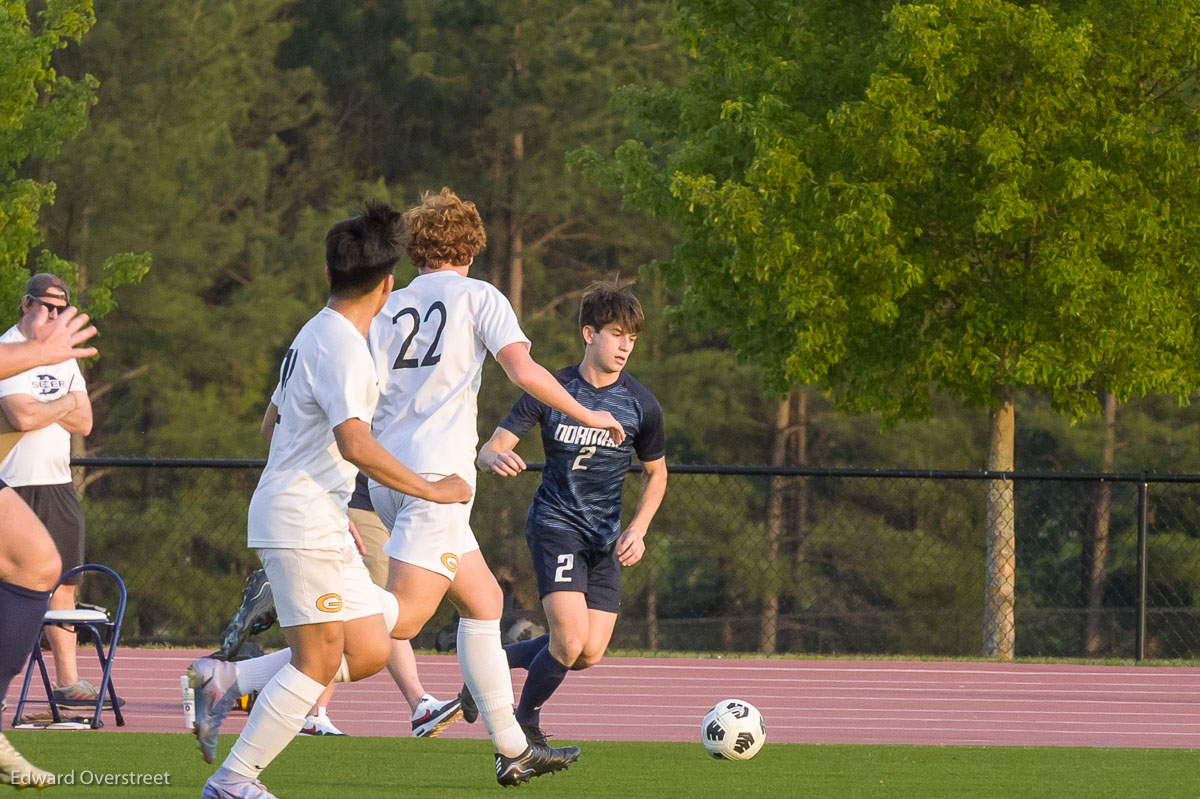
(485, 670)
(274, 721)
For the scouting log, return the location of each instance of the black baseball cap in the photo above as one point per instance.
(40, 284)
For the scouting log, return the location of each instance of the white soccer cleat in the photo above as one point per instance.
(215, 684)
(319, 725)
(19, 772)
(252, 789)
(432, 716)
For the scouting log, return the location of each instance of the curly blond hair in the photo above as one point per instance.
(443, 229)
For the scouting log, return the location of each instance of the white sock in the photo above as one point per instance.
(484, 668)
(277, 716)
(255, 673)
(390, 606)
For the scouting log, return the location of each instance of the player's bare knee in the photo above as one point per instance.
(35, 565)
(321, 667)
(567, 651)
(42, 574)
(406, 629)
(367, 660)
(483, 604)
(586, 660)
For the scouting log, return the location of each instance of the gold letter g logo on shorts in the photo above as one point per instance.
(329, 603)
(450, 561)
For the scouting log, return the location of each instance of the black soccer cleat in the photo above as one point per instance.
(535, 734)
(535, 761)
(470, 711)
(256, 615)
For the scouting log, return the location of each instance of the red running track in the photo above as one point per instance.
(833, 702)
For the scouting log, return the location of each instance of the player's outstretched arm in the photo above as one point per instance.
(357, 445)
(631, 544)
(52, 342)
(497, 454)
(535, 380)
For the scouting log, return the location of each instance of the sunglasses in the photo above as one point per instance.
(49, 306)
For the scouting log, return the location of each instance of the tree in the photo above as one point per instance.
(39, 110)
(973, 195)
(205, 152)
(489, 98)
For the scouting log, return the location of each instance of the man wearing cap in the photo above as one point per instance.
(47, 404)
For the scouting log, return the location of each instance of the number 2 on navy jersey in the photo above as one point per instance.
(584, 454)
(432, 356)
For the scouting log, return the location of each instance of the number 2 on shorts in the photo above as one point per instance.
(565, 564)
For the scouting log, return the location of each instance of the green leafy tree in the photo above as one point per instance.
(971, 195)
(40, 109)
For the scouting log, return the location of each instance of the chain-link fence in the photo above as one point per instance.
(753, 559)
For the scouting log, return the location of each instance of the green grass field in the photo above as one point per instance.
(384, 768)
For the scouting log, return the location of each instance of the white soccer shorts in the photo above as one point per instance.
(319, 585)
(424, 533)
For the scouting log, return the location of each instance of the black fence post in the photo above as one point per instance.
(1140, 644)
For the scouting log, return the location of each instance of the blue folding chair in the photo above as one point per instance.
(96, 622)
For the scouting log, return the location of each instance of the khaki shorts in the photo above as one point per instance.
(374, 535)
(312, 586)
(425, 534)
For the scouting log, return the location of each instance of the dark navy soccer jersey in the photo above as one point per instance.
(584, 473)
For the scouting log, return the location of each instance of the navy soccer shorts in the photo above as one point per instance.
(563, 561)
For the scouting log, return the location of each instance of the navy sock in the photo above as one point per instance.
(521, 653)
(545, 675)
(21, 611)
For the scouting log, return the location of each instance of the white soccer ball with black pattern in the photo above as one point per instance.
(733, 730)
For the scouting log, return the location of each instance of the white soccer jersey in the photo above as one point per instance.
(327, 377)
(40, 457)
(429, 343)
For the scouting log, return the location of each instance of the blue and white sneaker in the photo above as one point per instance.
(432, 716)
(319, 725)
(215, 684)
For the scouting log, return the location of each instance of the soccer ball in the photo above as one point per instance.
(733, 730)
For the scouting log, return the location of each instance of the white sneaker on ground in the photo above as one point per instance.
(251, 789)
(215, 684)
(433, 715)
(319, 725)
(19, 772)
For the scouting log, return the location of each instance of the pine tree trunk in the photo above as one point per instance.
(516, 237)
(798, 503)
(1095, 551)
(999, 620)
(652, 605)
(723, 577)
(776, 488)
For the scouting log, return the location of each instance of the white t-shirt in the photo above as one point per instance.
(429, 343)
(327, 377)
(41, 457)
